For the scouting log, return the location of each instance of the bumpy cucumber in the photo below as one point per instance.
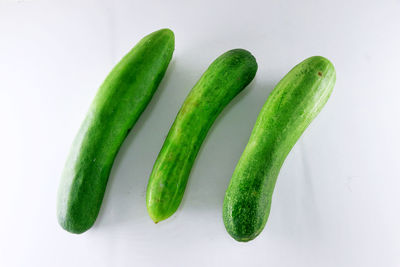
(290, 108)
(228, 75)
(117, 106)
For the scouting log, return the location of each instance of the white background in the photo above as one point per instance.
(337, 199)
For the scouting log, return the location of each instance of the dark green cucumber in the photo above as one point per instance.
(290, 108)
(228, 75)
(117, 106)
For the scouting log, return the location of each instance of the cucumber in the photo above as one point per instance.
(226, 77)
(117, 106)
(290, 108)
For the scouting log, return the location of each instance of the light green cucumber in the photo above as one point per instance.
(290, 108)
(117, 106)
(228, 75)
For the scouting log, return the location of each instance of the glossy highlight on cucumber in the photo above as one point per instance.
(226, 77)
(117, 106)
(290, 108)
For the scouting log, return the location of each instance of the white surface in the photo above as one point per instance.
(337, 200)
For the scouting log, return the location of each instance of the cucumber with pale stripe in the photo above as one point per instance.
(226, 77)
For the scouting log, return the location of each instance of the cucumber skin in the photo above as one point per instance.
(290, 108)
(117, 106)
(226, 77)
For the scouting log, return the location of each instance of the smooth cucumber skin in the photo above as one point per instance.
(290, 108)
(117, 106)
(226, 77)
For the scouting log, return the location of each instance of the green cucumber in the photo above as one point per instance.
(118, 104)
(226, 77)
(290, 108)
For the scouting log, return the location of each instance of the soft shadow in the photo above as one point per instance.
(307, 195)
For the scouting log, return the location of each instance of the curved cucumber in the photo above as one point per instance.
(290, 108)
(117, 106)
(228, 75)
